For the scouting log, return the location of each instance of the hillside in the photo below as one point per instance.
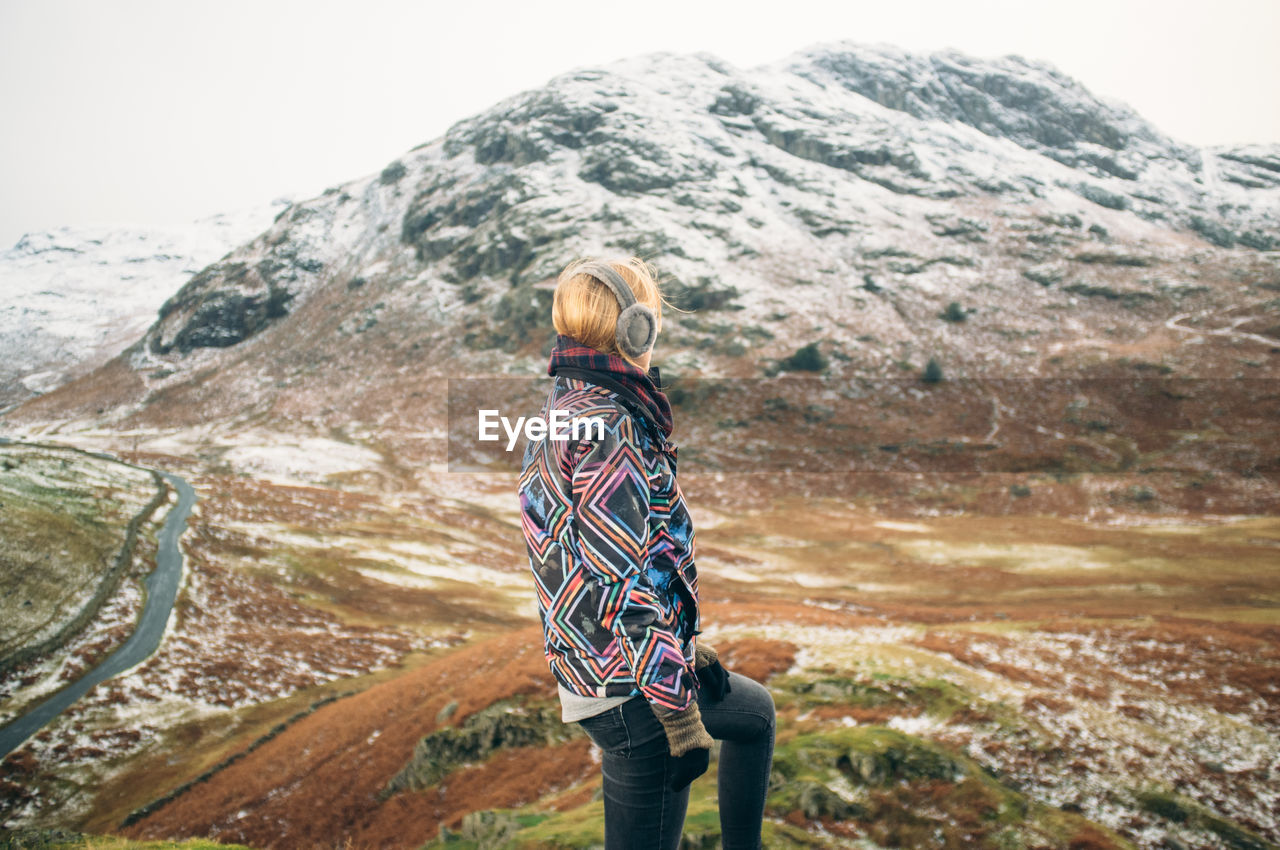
(70, 565)
(874, 208)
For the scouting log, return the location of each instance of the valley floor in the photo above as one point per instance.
(942, 678)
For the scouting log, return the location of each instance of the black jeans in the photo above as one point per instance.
(641, 813)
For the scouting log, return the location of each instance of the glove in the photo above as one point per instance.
(710, 672)
(688, 740)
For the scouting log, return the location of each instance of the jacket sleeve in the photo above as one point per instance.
(611, 515)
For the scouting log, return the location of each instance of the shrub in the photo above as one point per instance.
(392, 173)
(1102, 197)
(1258, 240)
(932, 372)
(1213, 231)
(1044, 275)
(807, 359)
(954, 312)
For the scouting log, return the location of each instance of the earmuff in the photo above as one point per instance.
(637, 328)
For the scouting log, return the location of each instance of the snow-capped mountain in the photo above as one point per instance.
(74, 297)
(845, 196)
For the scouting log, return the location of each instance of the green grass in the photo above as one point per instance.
(583, 827)
(907, 791)
(935, 696)
(1179, 809)
(899, 790)
(870, 755)
(43, 839)
(64, 524)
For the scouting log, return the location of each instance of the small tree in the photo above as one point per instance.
(392, 173)
(807, 359)
(932, 372)
(955, 313)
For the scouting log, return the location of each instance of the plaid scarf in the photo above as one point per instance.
(570, 353)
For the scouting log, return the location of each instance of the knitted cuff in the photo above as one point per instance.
(684, 728)
(703, 654)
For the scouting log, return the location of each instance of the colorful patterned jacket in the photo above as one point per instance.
(611, 546)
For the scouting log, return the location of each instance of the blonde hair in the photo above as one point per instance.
(585, 309)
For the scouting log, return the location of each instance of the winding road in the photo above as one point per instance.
(162, 591)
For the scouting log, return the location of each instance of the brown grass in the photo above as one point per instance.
(331, 765)
(757, 658)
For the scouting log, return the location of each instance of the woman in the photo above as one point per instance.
(611, 546)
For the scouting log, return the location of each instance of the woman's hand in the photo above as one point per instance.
(688, 740)
(711, 674)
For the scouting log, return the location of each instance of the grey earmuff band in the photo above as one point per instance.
(637, 327)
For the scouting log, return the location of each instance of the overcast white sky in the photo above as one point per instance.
(155, 112)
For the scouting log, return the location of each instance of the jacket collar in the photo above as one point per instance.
(638, 388)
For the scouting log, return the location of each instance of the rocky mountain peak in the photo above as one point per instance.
(848, 193)
(1031, 103)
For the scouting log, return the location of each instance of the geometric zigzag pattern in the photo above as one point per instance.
(611, 549)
